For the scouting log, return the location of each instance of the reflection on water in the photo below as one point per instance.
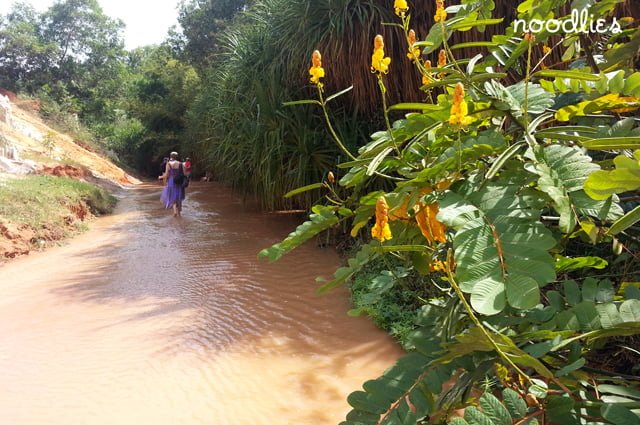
(153, 320)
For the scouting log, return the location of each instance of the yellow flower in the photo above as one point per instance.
(427, 78)
(546, 49)
(437, 266)
(414, 52)
(432, 229)
(401, 7)
(379, 63)
(381, 230)
(441, 266)
(316, 71)
(441, 14)
(442, 62)
(459, 110)
(502, 373)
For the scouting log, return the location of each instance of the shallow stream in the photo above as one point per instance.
(151, 320)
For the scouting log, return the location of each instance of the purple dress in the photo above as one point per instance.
(172, 193)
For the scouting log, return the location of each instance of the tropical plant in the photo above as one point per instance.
(501, 192)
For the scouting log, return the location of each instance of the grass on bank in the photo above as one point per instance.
(37, 201)
(392, 300)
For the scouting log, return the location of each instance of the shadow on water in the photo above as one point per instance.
(207, 262)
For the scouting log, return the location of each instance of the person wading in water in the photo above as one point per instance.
(173, 193)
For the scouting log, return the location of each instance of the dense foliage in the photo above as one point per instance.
(513, 195)
(71, 53)
(72, 58)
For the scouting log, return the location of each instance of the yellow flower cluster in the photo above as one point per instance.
(316, 71)
(459, 110)
(381, 230)
(414, 52)
(401, 7)
(441, 14)
(379, 63)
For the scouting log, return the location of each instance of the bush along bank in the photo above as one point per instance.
(39, 211)
(516, 181)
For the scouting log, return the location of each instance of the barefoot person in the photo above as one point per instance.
(173, 193)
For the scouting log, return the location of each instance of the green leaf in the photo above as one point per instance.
(516, 406)
(475, 44)
(619, 390)
(616, 84)
(354, 264)
(523, 292)
(609, 316)
(555, 300)
(619, 415)
(571, 367)
(475, 417)
(562, 170)
(538, 388)
(415, 106)
(632, 85)
(303, 189)
(467, 24)
(495, 410)
(587, 316)
(499, 245)
(608, 102)
(565, 264)
(436, 36)
(458, 421)
(572, 292)
(590, 289)
(559, 405)
(302, 102)
(621, 53)
(422, 400)
(626, 177)
(612, 143)
(322, 219)
(536, 101)
(365, 402)
(605, 292)
(628, 220)
(478, 78)
(503, 158)
(375, 162)
(630, 311)
(340, 93)
(574, 75)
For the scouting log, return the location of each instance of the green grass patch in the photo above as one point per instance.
(391, 295)
(38, 200)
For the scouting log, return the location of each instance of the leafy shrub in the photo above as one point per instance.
(499, 185)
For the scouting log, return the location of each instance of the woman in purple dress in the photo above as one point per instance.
(173, 194)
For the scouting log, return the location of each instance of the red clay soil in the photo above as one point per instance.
(15, 240)
(65, 171)
(21, 239)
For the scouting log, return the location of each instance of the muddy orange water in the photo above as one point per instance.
(151, 320)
